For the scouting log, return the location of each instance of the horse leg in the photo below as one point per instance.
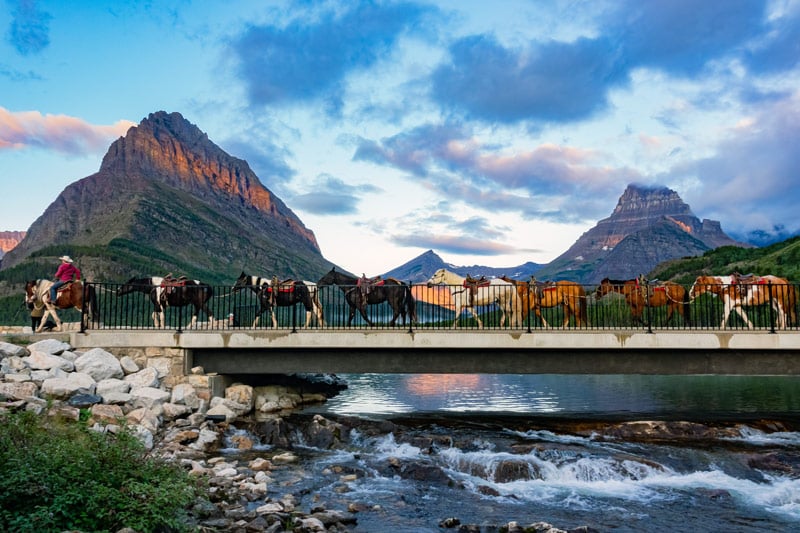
(478, 319)
(538, 312)
(458, 310)
(57, 320)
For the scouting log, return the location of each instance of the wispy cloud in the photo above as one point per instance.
(29, 31)
(60, 133)
(332, 196)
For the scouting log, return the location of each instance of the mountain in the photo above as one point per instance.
(422, 267)
(9, 239)
(649, 225)
(167, 199)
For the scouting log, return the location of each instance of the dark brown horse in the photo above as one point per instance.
(71, 295)
(535, 295)
(639, 295)
(396, 293)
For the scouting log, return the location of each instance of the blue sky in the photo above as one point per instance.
(491, 132)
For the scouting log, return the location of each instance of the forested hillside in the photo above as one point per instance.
(779, 259)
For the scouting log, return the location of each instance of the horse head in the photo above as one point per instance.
(333, 278)
(242, 281)
(439, 277)
(704, 284)
(604, 288)
(31, 293)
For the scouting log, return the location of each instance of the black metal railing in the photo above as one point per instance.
(435, 309)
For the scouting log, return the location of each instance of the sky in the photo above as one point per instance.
(493, 133)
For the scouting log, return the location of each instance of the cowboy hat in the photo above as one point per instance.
(66, 258)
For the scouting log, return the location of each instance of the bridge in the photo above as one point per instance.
(242, 352)
(227, 340)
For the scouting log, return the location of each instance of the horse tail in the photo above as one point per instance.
(686, 307)
(583, 304)
(90, 302)
(410, 304)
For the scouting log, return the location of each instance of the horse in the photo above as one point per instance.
(490, 291)
(639, 295)
(737, 291)
(170, 292)
(284, 295)
(536, 294)
(359, 295)
(37, 294)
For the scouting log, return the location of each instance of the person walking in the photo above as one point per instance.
(66, 272)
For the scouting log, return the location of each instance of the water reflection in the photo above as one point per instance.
(562, 394)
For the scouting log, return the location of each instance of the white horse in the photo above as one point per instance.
(735, 294)
(496, 291)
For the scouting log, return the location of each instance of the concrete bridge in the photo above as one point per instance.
(250, 352)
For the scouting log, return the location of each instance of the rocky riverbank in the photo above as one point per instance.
(184, 424)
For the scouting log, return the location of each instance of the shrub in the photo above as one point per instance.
(57, 475)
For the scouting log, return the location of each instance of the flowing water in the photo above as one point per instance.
(488, 449)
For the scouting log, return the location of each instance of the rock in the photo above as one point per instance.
(64, 388)
(83, 401)
(147, 377)
(51, 346)
(99, 364)
(128, 365)
(12, 350)
(185, 394)
(148, 397)
(19, 391)
(39, 360)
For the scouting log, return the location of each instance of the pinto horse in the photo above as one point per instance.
(396, 293)
(736, 291)
(535, 295)
(37, 294)
(492, 291)
(640, 295)
(284, 295)
(167, 292)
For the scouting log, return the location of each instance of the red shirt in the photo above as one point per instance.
(66, 271)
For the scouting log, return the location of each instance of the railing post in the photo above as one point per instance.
(647, 308)
(771, 310)
(180, 317)
(84, 292)
(294, 318)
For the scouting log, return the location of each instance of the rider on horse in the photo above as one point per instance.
(66, 273)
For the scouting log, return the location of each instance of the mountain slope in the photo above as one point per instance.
(648, 226)
(173, 199)
(422, 267)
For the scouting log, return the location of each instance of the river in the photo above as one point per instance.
(489, 449)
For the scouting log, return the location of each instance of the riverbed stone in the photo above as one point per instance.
(241, 394)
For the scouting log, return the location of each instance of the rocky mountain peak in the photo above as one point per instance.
(649, 225)
(639, 201)
(165, 188)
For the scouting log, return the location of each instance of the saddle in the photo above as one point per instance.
(746, 279)
(365, 284)
(65, 287)
(473, 284)
(170, 282)
(276, 286)
(540, 287)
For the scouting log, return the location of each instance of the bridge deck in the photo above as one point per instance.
(481, 351)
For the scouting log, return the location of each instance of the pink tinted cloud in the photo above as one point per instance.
(59, 133)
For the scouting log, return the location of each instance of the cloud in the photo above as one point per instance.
(69, 135)
(551, 81)
(681, 36)
(751, 180)
(309, 58)
(566, 81)
(454, 244)
(29, 32)
(332, 196)
(560, 183)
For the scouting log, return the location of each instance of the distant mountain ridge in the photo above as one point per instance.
(9, 239)
(422, 267)
(167, 199)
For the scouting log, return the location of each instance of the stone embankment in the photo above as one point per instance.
(182, 422)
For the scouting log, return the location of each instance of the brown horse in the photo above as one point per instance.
(639, 295)
(69, 296)
(737, 291)
(537, 294)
